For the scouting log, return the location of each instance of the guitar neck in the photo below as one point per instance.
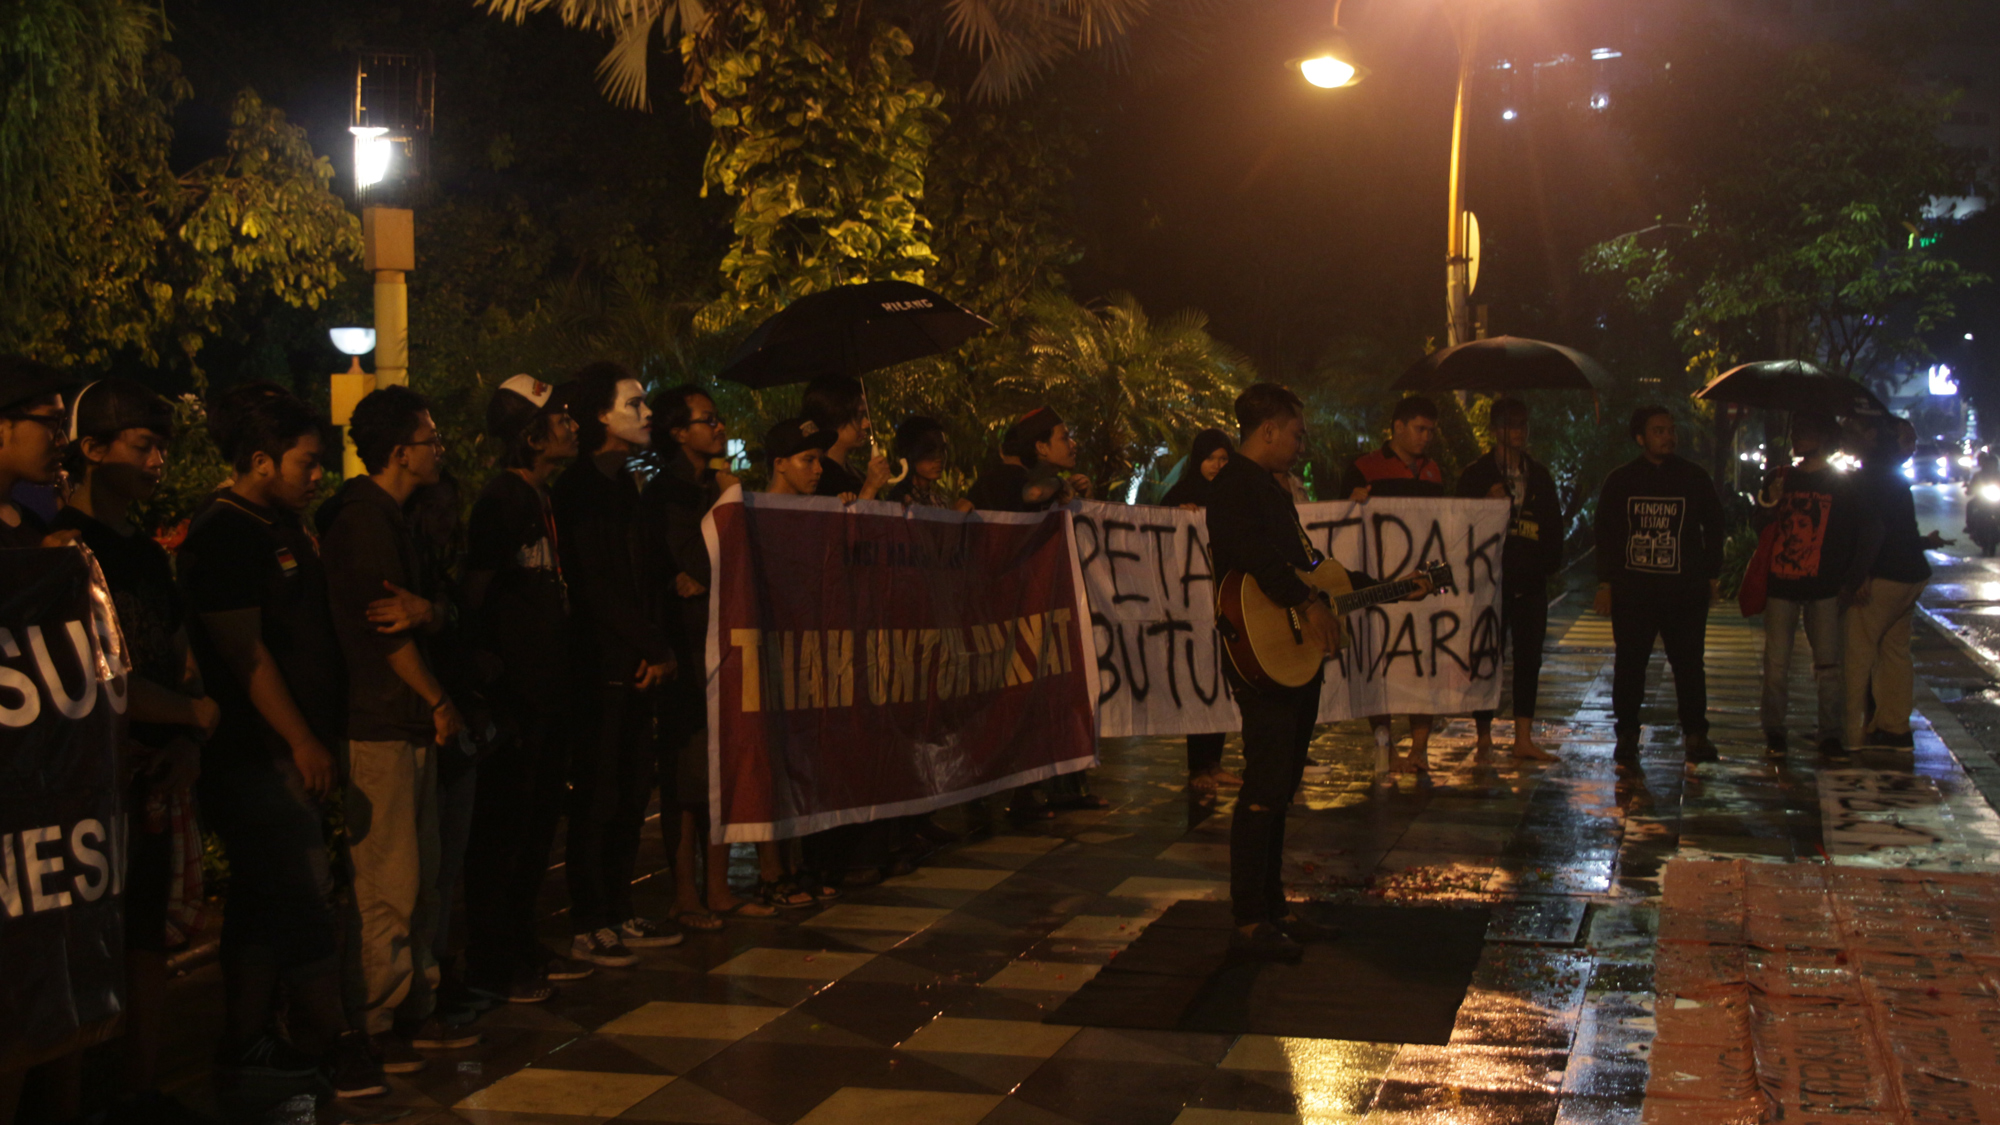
(1373, 595)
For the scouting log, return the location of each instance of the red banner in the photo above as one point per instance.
(868, 661)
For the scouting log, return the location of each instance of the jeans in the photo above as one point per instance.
(613, 782)
(1277, 730)
(1204, 752)
(522, 786)
(392, 839)
(455, 811)
(1823, 628)
(279, 878)
(1524, 616)
(1878, 659)
(1677, 615)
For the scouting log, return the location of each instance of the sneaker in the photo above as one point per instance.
(559, 968)
(1699, 749)
(603, 948)
(644, 933)
(435, 1034)
(268, 1056)
(1265, 943)
(1774, 742)
(394, 1055)
(354, 1070)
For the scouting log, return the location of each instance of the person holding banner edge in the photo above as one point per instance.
(1402, 467)
(1253, 527)
(1206, 457)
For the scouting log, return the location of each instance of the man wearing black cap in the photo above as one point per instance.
(1031, 474)
(520, 619)
(118, 436)
(32, 432)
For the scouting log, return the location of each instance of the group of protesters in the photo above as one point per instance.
(465, 701)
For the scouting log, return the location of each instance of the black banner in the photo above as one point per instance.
(62, 824)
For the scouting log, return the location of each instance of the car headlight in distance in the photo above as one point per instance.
(1990, 493)
(1944, 465)
(1909, 470)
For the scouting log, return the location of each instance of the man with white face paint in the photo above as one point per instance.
(618, 572)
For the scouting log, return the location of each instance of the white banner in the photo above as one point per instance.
(1152, 610)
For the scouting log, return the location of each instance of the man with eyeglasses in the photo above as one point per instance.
(691, 479)
(399, 718)
(32, 433)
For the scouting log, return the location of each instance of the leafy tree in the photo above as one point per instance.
(823, 149)
(1797, 183)
(156, 261)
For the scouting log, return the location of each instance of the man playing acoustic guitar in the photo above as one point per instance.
(1253, 527)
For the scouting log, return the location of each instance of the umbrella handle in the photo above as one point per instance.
(902, 463)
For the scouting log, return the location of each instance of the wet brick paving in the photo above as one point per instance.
(921, 1000)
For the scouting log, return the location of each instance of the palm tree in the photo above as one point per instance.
(1127, 385)
(1012, 42)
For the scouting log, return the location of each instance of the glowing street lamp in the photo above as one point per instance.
(371, 155)
(1333, 66)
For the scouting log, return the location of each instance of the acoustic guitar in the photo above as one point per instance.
(1267, 642)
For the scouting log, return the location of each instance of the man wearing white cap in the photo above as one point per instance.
(519, 604)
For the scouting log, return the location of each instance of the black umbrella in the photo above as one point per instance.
(851, 330)
(1505, 363)
(1791, 384)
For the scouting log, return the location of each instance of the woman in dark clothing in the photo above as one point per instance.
(1205, 459)
(923, 448)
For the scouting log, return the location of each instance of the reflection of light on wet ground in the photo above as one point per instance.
(1334, 1079)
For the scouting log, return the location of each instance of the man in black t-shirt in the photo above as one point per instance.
(119, 432)
(263, 637)
(520, 622)
(1875, 650)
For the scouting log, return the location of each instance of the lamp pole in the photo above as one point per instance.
(1458, 259)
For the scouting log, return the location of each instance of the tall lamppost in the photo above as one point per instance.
(1332, 65)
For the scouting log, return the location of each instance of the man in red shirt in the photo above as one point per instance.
(1400, 468)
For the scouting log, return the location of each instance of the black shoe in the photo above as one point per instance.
(602, 947)
(1265, 943)
(268, 1057)
(1774, 743)
(354, 1070)
(644, 933)
(1627, 749)
(1699, 749)
(435, 1034)
(1831, 747)
(551, 965)
(1304, 930)
(1904, 741)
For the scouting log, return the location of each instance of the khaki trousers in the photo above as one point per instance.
(392, 838)
(1877, 656)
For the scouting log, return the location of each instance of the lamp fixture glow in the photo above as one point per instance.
(1328, 72)
(353, 341)
(371, 155)
(1508, 115)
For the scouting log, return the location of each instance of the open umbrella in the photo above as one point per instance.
(1790, 384)
(851, 330)
(1505, 363)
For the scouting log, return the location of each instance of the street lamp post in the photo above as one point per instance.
(1334, 66)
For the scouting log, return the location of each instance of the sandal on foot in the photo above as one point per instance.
(745, 908)
(699, 921)
(783, 894)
